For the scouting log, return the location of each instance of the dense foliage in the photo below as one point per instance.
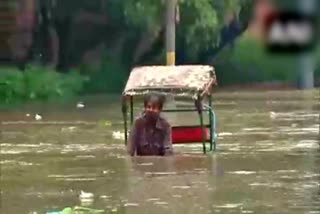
(104, 39)
(133, 30)
(37, 83)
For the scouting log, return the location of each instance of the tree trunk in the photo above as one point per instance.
(63, 34)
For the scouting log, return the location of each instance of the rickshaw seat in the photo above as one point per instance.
(188, 134)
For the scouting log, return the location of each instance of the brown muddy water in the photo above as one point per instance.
(267, 159)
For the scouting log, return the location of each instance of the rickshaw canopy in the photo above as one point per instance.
(182, 80)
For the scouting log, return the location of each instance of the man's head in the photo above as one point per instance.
(153, 104)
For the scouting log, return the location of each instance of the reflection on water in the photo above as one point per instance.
(267, 161)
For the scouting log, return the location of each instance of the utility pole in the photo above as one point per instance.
(171, 46)
(306, 63)
(171, 31)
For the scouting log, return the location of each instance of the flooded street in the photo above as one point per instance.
(267, 159)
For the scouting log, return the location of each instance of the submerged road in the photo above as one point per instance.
(267, 160)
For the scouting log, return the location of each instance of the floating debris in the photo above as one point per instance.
(86, 198)
(118, 135)
(85, 195)
(80, 105)
(105, 171)
(38, 117)
(273, 115)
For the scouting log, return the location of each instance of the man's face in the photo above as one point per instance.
(152, 107)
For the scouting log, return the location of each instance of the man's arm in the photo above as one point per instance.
(168, 150)
(133, 138)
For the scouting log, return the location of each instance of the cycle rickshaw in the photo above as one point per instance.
(194, 82)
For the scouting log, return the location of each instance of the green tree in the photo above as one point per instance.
(131, 28)
(132, 31)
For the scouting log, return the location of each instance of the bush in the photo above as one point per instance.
(250, 52)
(37, 83)
(248, 62)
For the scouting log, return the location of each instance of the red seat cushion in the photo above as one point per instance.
(188, 134)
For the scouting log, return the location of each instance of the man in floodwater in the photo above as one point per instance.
(151, 133)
